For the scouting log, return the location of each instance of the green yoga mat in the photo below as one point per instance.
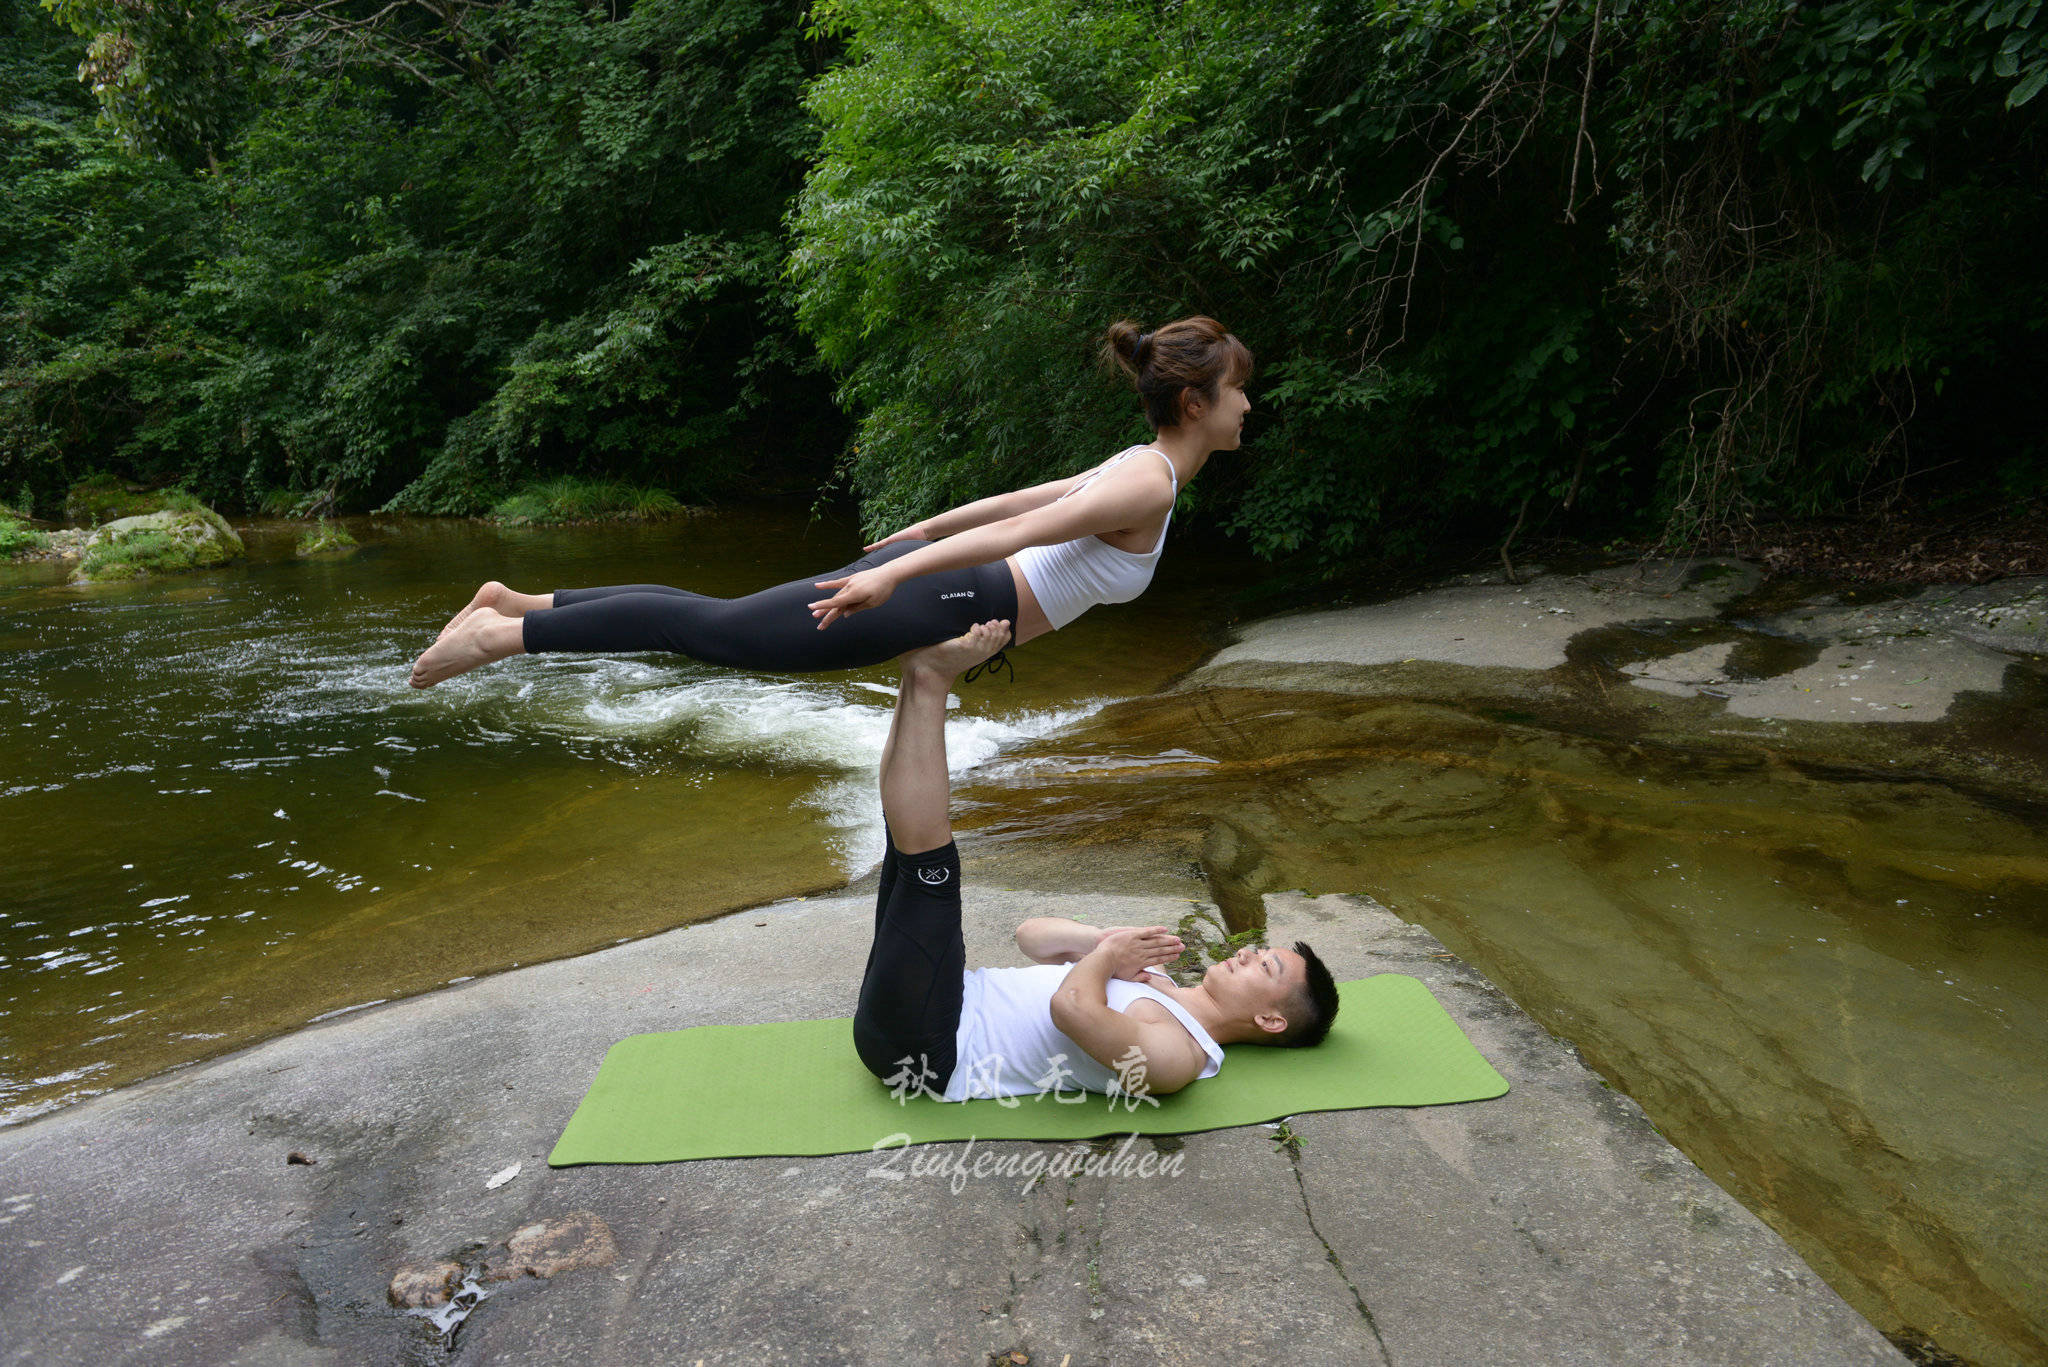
(737, 1091)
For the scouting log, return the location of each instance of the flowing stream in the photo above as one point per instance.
(224, 813)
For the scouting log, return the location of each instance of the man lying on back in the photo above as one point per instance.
(1093, 1016)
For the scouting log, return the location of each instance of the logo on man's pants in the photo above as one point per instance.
(934, 876)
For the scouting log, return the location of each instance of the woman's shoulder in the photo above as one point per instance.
(1149, 458)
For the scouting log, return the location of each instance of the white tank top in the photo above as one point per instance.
(1008, 1045)
(1073, 576)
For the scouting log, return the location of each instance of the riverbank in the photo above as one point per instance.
(1552, 1225)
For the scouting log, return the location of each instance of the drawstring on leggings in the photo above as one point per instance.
(992, 666)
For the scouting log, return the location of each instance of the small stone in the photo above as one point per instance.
(421, 1286)
(296, 1157)
(546, 1247)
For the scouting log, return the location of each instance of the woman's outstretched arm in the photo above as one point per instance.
(981, 512)
(1114, 503)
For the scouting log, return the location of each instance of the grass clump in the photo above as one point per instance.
(568, 499)
(325, 537)
(137, 554)
(15, 538)
(168, 543)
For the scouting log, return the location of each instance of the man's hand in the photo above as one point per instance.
(1129, 950)
(855, 593)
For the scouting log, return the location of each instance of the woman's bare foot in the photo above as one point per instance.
(488, 635)
(501, 600)
(948, 659)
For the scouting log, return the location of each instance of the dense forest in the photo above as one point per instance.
(1614, 266)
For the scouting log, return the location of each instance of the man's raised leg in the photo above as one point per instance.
(916, 790)
(910, 995)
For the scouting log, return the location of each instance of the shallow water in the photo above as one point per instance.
(1826, 983)
(223, 812)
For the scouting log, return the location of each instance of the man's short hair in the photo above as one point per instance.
(1315, 1006)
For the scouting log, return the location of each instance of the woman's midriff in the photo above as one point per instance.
(1031, 619)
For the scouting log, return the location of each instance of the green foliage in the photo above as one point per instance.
(15, 538)
(324, 537)
(1505, 266)
(190, 538)
(379, 281)
(998, 182)
(567, 499)
(134, 555)
(170, 78)
(1501, 263)
(103, 498)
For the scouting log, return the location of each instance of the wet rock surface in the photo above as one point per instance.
(547, 1247)
(1484, 621)
(1826, 656)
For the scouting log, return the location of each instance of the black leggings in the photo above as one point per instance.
(774, 629)
(917, 971)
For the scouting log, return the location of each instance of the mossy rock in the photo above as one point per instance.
(160, 543)
(103, 499)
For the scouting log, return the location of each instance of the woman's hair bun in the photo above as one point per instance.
(1122, 346)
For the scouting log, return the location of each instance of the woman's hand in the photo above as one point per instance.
(1131, 950)
(915, 532)
(856, 592)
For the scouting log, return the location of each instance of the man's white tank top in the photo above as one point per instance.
(1073, 576)
(1008, 1045)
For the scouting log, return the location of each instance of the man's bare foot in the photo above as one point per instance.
(949, 659)
(502, 600)
(488, 635)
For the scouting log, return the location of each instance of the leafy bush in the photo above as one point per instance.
(567, 499)
(104, 498)
(15, 538)
(385, 274)
(1502, 264)
(134, 555)
(325, 536)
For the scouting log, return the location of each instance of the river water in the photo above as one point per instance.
(223, 813)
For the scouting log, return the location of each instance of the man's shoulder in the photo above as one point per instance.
(1165, 1029)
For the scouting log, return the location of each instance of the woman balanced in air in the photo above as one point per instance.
(1038, 557)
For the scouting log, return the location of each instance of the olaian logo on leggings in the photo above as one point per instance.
(964, 593)
(934, 876)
